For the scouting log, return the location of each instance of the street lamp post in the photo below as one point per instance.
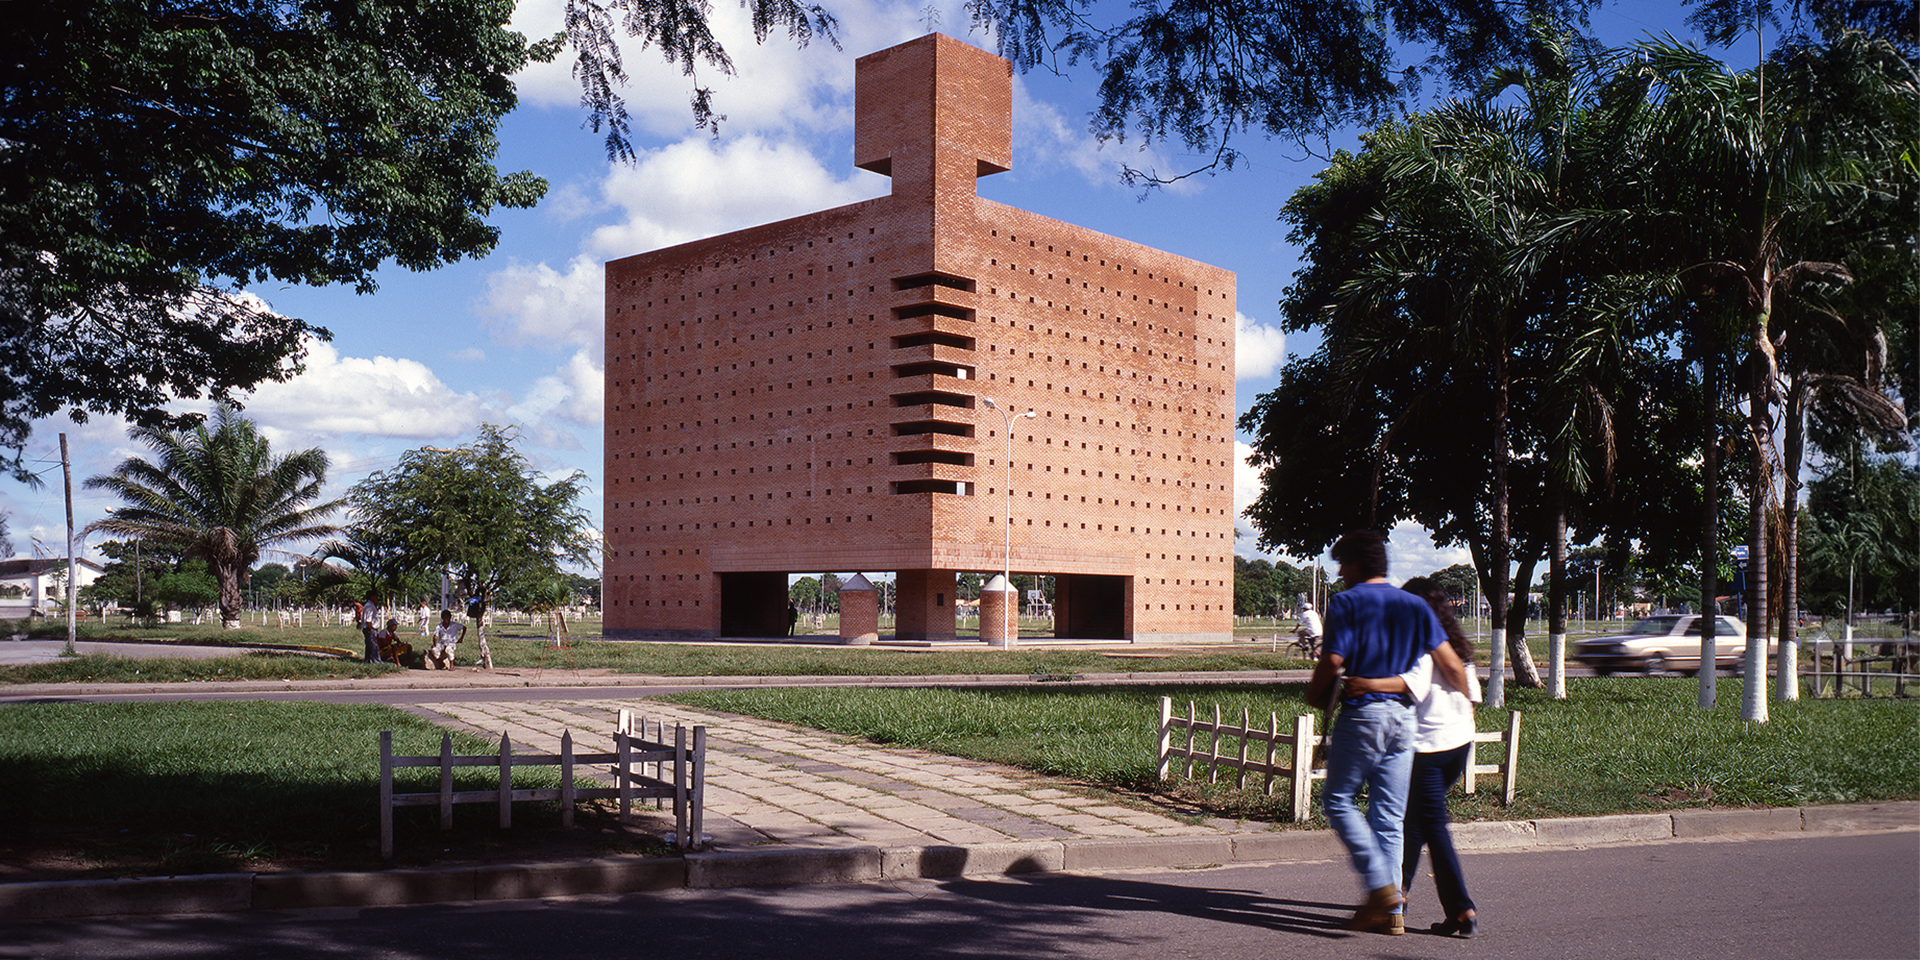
(1006, 551)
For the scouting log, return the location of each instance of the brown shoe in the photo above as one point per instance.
(1377, 916)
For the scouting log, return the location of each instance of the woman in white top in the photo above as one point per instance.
(1443, 745)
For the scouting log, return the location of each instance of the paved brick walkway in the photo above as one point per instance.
(771, 783)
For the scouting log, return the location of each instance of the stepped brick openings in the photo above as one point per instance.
(807, 396)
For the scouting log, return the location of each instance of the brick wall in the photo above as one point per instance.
(807, 395)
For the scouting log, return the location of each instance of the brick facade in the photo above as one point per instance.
(808, 396)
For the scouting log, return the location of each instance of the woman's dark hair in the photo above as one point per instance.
(1365, 551)
(1436, 597)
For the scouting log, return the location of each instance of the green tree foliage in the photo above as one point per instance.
(480, 512)
(267, 579)
(1764, 190)
(219, 495)
(1262, 588)
(1197, 72)
(1864, 520)
(1459, 580)
(162, 156)
(189, 587)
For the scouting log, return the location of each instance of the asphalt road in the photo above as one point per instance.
(1837, 897)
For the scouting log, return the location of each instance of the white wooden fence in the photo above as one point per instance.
(1276, 756)
(640, 768)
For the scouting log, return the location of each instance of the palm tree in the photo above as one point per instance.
(217, 494)
(1735, 186)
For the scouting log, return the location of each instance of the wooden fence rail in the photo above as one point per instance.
(1277, 756)
(640, 768)
(1862, 661)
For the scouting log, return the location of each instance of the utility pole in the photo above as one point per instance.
(66, 475)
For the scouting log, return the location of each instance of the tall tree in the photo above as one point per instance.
(1194, 71)
(162, 156)
(1741, 181)
(481, 513)
(219, 495)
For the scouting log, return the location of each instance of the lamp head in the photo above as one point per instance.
(990, 404)
(1029, 415)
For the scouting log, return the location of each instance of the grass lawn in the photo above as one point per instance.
(1615, 745)
(144, 788)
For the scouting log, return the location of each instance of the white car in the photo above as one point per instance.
(1654, 645)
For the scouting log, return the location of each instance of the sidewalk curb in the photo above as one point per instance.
(231, 893)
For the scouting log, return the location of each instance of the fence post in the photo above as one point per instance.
(1166, 735)
(386, 794)
(506, 781)
(680, 784)
(623, 763)
(699, 786)
(1468, 782)
(446, 781)
(1273, 744)
(1192, 715)
(1301, 777)
(1246, 728)
(566, 779)
(1213, 749)
(1510, 771)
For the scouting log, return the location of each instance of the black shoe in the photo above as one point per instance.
(1463, 927)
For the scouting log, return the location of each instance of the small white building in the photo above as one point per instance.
(25, 583)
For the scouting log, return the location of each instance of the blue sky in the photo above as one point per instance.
(517, 337)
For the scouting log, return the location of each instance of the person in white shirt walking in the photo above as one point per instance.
(1443, 746)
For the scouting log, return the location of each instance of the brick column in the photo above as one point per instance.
(923, 605)
(999, 613)
(859, 612)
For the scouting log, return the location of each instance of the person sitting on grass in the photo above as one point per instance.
(393, 649)
(445, 638)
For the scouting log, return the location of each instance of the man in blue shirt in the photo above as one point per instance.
(1374, 629)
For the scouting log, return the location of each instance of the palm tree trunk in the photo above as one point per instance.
(227, 575)
(1787, 662)
(1709, 509)
(1525, 672)
(1753, 697)
(1502, 545)
(1557, 596)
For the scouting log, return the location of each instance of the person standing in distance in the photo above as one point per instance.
(1374, 630)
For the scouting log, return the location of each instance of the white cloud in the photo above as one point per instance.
(575, 392)
(534, 303)
(469, 354)
(1410, 548)
(777, 86)
(370, 396)
(1411, 553)
(1044, 139)
(698, 188)
(1246, 489)
(1258, 349)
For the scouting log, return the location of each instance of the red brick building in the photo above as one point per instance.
(809, 395)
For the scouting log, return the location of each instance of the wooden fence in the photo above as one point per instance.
(1276, 756)
(1838, 664)
(639, 767)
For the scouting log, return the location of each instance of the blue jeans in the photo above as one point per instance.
(1427, 819)
(1372, 746)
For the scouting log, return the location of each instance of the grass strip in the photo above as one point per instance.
(253, 665)
(747, 660)
(1616, 745)
(201, 786)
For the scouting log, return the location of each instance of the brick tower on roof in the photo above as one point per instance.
(808, 396)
